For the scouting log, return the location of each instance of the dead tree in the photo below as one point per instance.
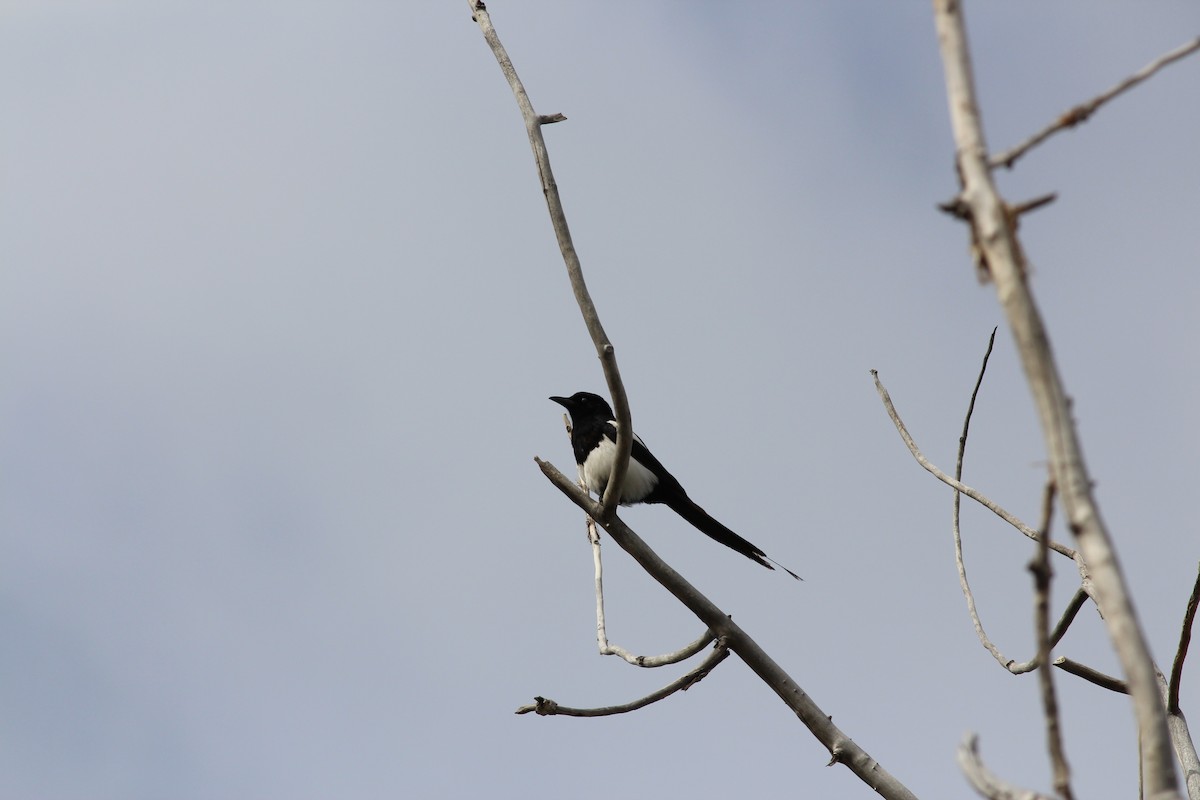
(998, 257)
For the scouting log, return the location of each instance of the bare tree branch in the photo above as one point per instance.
(962, 439)
(984, 781)
(961, 565)
(1021, 667)
(1000, 253)
(1042, 577)
(558, 219)
(841, 747)
(1021, 209)
(1185, 638)
(1091, 675)
(1060, 630)
(1185, 748)
(549, 708)
(974, 494)
(1072, 608)
(1080, 113)
(1077, 601)
(607, 649)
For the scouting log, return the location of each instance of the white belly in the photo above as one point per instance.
(639, 481)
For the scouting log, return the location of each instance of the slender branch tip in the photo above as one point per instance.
(1033, 205)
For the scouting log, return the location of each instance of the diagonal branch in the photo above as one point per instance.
(1060, 630)
(549, 708)
(974, 494)
(1080, 113)
(1185, 638)
(558, 219)
(962, 440)
(841, 747)
(1000, 252)
(1091, 675)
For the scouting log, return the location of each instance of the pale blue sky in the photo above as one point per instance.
(280, 309)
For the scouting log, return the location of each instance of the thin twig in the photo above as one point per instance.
(558, 219)
(682, 654)
(956, 528)
(1016, 668)
(1060, 630)
(549, 708)
(1021, 209)
(1091, 675)
(974, 494)
(1042, 577)
(986, 782)
(1185, 638)
(1080, 113)
(1068, 616)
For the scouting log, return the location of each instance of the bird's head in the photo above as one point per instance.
(585, 405)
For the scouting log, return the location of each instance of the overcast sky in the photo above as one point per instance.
(280, 311)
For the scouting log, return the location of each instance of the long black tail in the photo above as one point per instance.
(699, 518)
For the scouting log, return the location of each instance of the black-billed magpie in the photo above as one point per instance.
(594, 439)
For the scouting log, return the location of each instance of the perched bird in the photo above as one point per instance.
(594, 439)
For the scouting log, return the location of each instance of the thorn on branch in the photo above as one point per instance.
(956, 208)
(1031, 205)
(550, 119)
(961, 210)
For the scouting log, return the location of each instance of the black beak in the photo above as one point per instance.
(565, 402)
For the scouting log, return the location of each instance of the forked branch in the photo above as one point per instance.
(1016, 668)
(549, 708)
(841, 747)
(993, 233)
(958, 486)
